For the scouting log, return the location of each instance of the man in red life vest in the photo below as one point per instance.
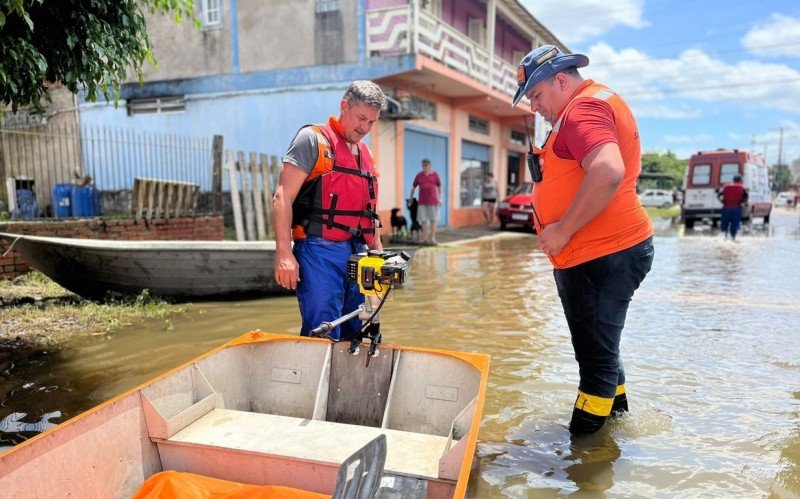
(734, 197)
(589, 220)
(326, 201)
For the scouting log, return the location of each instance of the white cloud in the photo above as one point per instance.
(778, 36)
(573, 21)
(692, 77)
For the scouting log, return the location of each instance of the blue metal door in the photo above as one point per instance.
(419, 144)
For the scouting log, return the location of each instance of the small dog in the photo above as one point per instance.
(415, 229)
(399, 224)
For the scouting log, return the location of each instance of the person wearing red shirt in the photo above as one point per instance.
(589, 220)
(734, 197)
(430, 197)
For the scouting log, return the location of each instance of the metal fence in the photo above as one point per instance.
(41, 158)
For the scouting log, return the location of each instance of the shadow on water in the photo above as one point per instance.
(711, 365)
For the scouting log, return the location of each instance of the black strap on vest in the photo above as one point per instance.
(354, 231)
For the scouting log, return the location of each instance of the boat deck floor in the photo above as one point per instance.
(412, 454)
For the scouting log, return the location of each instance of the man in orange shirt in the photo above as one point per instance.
(588, 218)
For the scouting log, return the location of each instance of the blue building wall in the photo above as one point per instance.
(254, 112)
(257, 112)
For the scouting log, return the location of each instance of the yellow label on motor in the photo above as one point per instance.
(369, 276)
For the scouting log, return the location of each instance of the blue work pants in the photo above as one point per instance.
(730, 217)
(324, 294)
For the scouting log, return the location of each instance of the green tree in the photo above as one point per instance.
(668, 164)
(89, 44)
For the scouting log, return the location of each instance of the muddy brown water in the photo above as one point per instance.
(710, 347)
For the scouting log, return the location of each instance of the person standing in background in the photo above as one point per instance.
(430, 197)
(489, 197)
(734, 197)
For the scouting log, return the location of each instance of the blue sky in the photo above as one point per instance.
(699, 74)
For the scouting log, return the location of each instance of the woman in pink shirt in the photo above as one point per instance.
(430, 197)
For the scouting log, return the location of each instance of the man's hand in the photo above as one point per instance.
(552, 239)
(287, 271)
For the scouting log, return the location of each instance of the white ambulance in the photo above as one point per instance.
(709, 171)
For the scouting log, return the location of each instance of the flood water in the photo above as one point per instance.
(710, 347)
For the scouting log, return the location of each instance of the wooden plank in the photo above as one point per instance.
(257, 201)
(150, 200)
(305, 440)
(266, 174)
(195, 189)
(168, 207)
(216, 174)
(235, 201)
(180, 209)
(358, 400)
(247, 197)
(135, 206)
(160, 203)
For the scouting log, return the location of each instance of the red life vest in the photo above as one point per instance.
(732, 195)
(337, 201)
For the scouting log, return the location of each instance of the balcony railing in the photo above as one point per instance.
(392, 31)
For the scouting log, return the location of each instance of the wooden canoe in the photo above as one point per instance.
(269, 409)
(179, 270)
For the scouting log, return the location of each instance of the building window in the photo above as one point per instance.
(24, 118)
(478, 125)
(432, 7)
(423, 108)
(158, 105)
(212, 13)
(517, 138)
(327, 6)
(477, 30)
(474, 166)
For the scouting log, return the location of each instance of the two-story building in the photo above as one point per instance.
(257, 70)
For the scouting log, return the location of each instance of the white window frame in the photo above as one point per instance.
(432, 7)
(476, 30)
(156, 105)
(323, 6)
(212, 13)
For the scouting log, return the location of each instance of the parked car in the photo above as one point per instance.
(785, 199)
(516, 209)
(660, 198)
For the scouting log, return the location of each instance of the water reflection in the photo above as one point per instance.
(710, 351)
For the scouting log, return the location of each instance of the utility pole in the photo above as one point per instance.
(780, 148)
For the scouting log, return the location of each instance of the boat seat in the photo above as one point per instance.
(298, 439)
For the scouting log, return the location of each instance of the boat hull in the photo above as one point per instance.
(175, 269)
(269, 409)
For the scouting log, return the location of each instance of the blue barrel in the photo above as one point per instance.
(86, 202)
(62, 204)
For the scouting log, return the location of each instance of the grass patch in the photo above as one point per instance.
(673, 211)
(33, 284)
(45, 314)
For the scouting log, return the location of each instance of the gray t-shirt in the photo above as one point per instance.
(303, 150)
